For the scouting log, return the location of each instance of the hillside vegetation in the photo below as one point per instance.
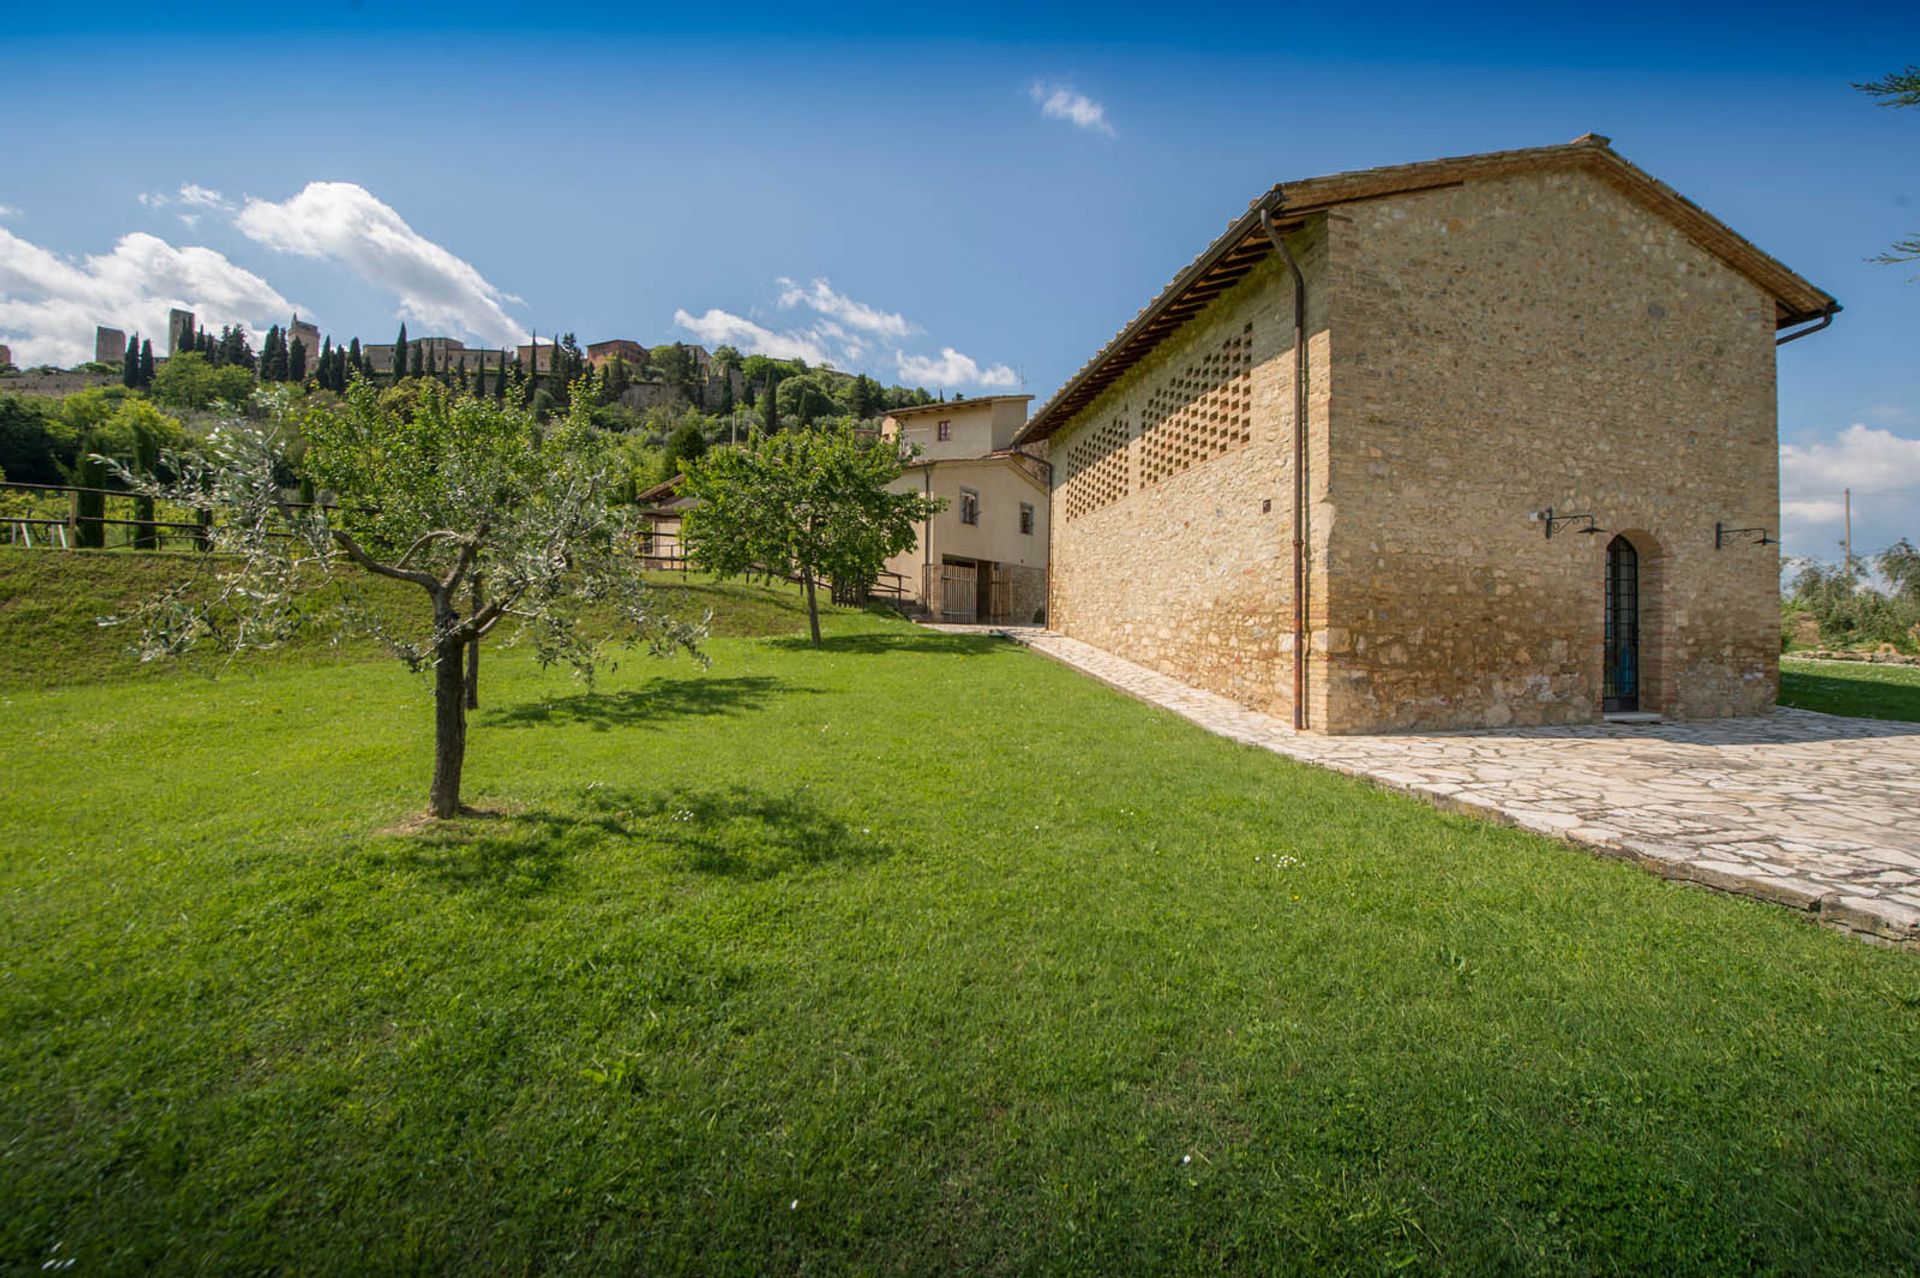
(51, 604)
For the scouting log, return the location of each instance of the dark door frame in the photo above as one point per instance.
(1620, 676)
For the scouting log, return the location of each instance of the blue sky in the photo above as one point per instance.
(658, 173)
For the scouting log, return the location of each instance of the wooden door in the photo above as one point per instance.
(959, 587)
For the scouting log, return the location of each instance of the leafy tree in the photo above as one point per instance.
(810, 503)
(457, 489)
(866, 399)
(616, 376)
(189, 382)
(35, 445)
(1897, 89)
(89, 474)
(688, 443)
(1900, 565)
(803, 400)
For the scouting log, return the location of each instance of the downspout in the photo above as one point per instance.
(1299, 466)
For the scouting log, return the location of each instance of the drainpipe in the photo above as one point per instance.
(1299, 466)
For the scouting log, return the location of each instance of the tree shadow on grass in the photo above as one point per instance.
(924, 641)
(660, 701)
(733, 832)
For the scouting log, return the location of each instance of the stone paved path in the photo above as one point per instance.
(1813, 811)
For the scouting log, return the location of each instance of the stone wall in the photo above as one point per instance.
(55, 384)
(1172, 495)
(1536, 341)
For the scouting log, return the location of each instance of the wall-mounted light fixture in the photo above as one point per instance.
(1560, 523)
(1724, 536)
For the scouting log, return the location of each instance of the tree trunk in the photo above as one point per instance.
(813, 607)
(473, 650)
(449, 728)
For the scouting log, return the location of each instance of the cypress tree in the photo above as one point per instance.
(417, 367)
(400, 354)
(130, 364)
(326, 363)
(353, 357)
(146, 363)
(500, 380)
(296, 361)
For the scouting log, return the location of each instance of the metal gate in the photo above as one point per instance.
(1622, 690)
(959, 586)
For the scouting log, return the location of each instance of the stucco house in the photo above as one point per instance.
(984, 557)
(663, 510)
(1465, 443)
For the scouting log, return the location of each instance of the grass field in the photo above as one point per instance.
(918, 953)
(1852, 688)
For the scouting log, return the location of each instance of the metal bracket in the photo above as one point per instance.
(1560, 522)
(1724, 536)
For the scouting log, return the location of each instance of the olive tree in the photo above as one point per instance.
(806, 504)
(442, 495)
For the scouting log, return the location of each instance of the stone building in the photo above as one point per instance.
(308, 335)
(984, 557)
(441, 353)
(598, 353)
(179, 329)
(109, 345)
(1523, 469)
(6, 356)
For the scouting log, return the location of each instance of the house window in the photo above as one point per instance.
(969, 506)
(944, 431)
(1026, 519)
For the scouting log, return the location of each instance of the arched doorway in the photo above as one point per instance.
(1622, 671)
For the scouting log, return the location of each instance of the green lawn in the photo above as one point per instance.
(1852, 688)
(920, 953)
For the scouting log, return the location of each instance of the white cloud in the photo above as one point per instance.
(8, 210)
(1881, 468)
(952, 369)
(820, 296)
(190, 193)
(50, 305)
(722, 328)
(1060, 102)
(345, 223)
(844, 334)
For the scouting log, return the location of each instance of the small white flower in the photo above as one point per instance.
(794, 1205)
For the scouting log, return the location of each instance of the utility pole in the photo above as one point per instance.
(1846, 497)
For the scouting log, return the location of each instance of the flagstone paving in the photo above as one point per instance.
(1813, 811)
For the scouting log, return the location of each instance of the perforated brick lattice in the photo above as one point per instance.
(1098, 470)
(1202, 412)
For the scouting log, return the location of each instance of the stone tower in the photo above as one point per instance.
(109, 345)
(179, 323)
